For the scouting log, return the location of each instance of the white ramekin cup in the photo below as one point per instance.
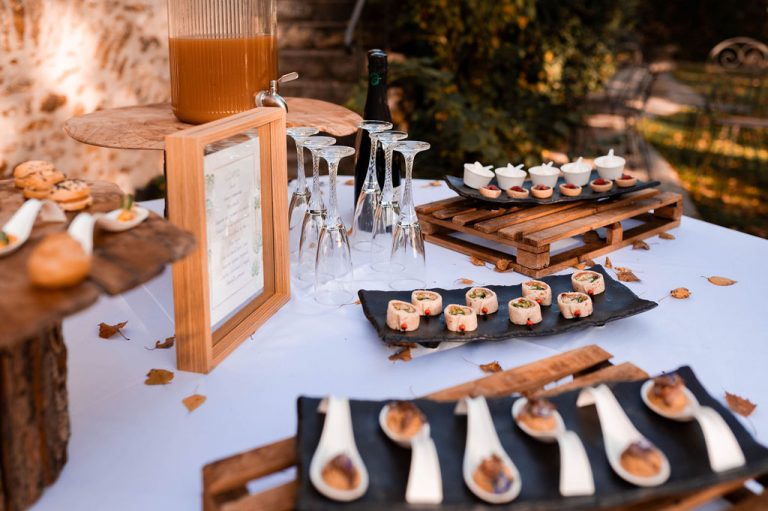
(610, 166)
(544, 175)
(510, 176)
(577, 172)
(476, 175)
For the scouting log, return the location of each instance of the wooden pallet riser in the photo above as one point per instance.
(530, 233)
(224, 481)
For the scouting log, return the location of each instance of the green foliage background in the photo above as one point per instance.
(499, 80)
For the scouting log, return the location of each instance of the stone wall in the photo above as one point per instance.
(62, 58)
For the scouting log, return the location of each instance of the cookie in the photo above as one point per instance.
(44, 179)
(23, 170)
(70, 190)
(58, 261)
(76, 205)
(34, 193)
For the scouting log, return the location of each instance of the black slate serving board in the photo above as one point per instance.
(538, 462)
(617, 302)
(457, 185)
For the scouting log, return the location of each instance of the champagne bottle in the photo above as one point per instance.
(376, 109)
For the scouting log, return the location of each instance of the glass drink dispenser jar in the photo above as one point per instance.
(222, 52)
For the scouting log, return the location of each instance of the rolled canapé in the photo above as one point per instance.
(460, 318)
(482, 300)
(574, 305)
(589, 282)
(524, 311)
(427, 303)
(538, 291)
(402, 316)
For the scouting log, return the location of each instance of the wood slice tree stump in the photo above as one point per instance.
(34, 413)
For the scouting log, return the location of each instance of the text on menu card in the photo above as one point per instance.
(234, 226)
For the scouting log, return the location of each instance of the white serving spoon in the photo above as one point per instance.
(109, 221)
(575, 471)
(337, 438)
(619, 433)
(722, 447)
(81, 229)
(425, 482)
(21, 223)
(482, 443)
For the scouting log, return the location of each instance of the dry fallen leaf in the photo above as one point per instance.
(626, 275)
(640, 245)
(491, 367)
(358, 302)
(349, 182)
(666, 236)
(740, 405)
(158, 377)
(580, 266)
(465, 281)
(721, 281)
(432, 183)
(164, 345)
(680, 293)
(106, 331)
(476, 261)
(588, 261)
(193, 402)
(608, 263)
(404, 355)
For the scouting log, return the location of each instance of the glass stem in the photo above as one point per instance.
(333, 220)
(388, 193)
(301, 179)
(316, 200)
(371, 183)
(407, 209)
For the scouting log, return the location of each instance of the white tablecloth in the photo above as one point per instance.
(136, 447)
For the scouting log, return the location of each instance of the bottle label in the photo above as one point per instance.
(375, 78)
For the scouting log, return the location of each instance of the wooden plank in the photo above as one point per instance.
(527, 377)
(625, 371)
(480, 214)
(474, 232)
(236, 471)
(586, 210)
(754, 503)
(497, 258)
(493, 225)
(599, 219)
(280, 498)
(431, 207)
(450, 212)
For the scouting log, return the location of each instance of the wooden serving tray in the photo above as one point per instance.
(531, 231)
(224, 481)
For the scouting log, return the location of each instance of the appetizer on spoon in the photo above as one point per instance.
(337, 470)
(540, 419)
(128, 216)
(668, 396)
(488, 470)
(632, 456)
(17, 229)
(407, 426)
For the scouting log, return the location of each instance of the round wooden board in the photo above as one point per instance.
(145, 126)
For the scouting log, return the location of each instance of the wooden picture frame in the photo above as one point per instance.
(200, 344)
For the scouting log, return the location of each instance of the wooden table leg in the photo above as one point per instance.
(34, 417)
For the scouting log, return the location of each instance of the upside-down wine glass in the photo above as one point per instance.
(362, 224)
(387, 210)
(407, 242)
(333, 268)
(315, 216)
(300, 197)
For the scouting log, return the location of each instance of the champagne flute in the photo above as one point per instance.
(362, 224)
(333, 268)
(300, 197)
(387, 210)
(315, 216)
(407, 241)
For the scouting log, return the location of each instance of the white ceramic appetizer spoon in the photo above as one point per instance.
(336, 439)
(722, 447)
(20, 224)
(619, 433)
(575, 471)
(425, 482)
(110, 222)
(81, 229)
(482, 443)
